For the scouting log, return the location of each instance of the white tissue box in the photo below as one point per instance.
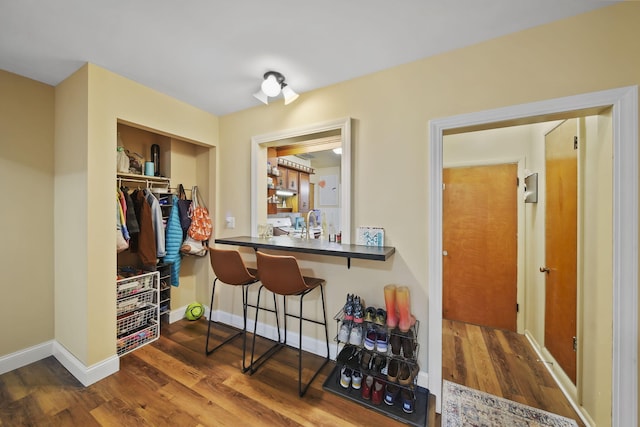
(370, 236)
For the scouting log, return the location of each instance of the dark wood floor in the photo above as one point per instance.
(502, 363)
(172, 383)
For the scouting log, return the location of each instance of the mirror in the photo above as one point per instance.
(296, 142)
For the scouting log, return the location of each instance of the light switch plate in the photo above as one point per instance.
(231, 222)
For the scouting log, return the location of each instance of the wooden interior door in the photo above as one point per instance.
(561, 245)
(480, 245)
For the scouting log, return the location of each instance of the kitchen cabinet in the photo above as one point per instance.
(292, 180)
(304, 202)
(290, 177)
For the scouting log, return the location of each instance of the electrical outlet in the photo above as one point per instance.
(231, 222)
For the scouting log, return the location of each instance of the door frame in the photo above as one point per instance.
(624, 103)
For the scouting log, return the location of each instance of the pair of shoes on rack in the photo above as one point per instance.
(376, 339)
(402, 372)
(353, 309)
(377, 392)
(407, 397)
(349, 356)
(402, 341)
(370, 314)
(372, 362)
(350, 332)
(398, 303)
(367, 387)
(350, 377)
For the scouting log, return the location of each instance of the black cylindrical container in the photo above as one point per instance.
(155, 158)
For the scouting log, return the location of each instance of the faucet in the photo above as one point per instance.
(308, 223)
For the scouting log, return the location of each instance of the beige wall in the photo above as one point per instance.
(391, 110)
(86, 249)
(26, 214)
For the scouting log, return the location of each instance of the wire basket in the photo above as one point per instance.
(131, 321)
(135, 302)
(138, 338)
(136, 284)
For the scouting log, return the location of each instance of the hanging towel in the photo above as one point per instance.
(173, 241)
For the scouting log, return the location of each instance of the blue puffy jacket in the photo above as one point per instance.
(173, 241)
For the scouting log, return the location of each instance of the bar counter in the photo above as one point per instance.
(312, 246)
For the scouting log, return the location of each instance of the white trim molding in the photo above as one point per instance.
(25, 356)
(86, 375)
(624, 103)
(260, 142)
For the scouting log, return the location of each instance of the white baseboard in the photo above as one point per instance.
(177, 314)
(311, 345)
(545, 357)
(25, 357)
(86, 375)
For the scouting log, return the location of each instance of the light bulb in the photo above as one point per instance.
(270, 86)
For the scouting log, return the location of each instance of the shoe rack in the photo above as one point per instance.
(396, 349)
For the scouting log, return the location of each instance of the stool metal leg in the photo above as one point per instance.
(235, 335)
(301, 390)
(255, 364)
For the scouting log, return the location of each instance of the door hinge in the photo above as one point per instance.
(443, 186)
(517, 181)
(517, 308)
(575, 343)
(575, 142)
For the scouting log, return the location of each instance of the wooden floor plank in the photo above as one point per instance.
(502, 363)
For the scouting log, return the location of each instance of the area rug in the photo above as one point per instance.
(464, 406)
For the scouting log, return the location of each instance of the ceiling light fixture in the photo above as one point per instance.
(271, 87)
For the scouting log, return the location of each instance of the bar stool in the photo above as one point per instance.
(229, 268)
(282, 276)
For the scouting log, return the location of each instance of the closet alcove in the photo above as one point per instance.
(181, 162)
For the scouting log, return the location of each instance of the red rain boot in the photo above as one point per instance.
(390, 302)
(404, 308)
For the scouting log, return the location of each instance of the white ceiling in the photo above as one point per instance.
(212, 53)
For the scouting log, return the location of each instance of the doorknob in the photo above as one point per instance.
(544, 270)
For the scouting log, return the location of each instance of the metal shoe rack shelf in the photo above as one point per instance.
(332, 384)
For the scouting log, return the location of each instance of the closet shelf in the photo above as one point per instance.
(149, 181)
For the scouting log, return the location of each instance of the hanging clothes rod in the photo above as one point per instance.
(149, 181)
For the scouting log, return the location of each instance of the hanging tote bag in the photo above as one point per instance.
(201, 226)
(184, 206)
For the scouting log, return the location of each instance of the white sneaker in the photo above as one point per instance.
(345, 330)
(355, 337)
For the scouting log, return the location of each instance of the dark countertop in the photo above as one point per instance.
(312, 246)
